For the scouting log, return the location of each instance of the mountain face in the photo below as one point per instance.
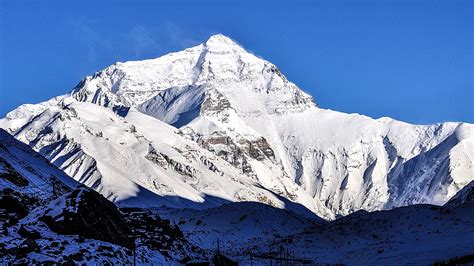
(23, 170)
(48, 217)
(45, 217)
(214, 124)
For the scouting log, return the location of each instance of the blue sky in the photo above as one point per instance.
(410, 60)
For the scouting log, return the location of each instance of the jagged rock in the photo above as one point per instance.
(14, 206)
(7, 172)
(156, 157)
(179, 167)
(90, 215)
(257, 149)
(158, 234)
(28, 233)
(222, 260)
(164, 161)
(77, 256)
(224, 147)
(211, 166)
(215, 102)
(29, 245)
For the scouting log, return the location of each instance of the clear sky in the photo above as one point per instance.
(408, 59)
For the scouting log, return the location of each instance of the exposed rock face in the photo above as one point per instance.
(257, 149)
(14, 206)
(236, 152)
(88, 214)
(224, 147)
(180, 168)
(216, 104)
(156, 157)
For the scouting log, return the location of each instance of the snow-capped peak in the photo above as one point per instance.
(249, 83)
(222, 42)
(259, 127)
(220, 38)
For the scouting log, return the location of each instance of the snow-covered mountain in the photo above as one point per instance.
(45, 217)
(418, 234)
(215, 124)
(239, 225)
(256, 234)
(23, 170)
(48, 217)
(463, 198)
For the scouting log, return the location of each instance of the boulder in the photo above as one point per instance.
(27, 246)
(28, 233)
(88, 214)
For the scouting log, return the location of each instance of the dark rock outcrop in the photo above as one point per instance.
(14, 206)
(222, 260)
(158, 234)
(8, 173)
(27, 246)
(28, 233)
(90, 215)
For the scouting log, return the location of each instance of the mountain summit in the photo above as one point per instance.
(214, 123)
(218, 64)
(220, 40)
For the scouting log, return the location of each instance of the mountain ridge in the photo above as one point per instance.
(77, 226)
(258, 128)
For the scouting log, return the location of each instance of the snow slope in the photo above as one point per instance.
(237, 225)
(249, 232)
(419, 234)
(237, 130)
(24, 170)
(416, 234)
(137, 160)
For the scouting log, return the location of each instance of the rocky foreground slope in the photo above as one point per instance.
(46, 216)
